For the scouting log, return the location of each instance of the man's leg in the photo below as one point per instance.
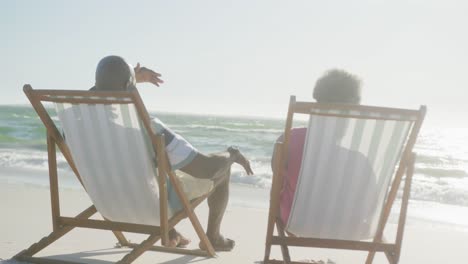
(217, 204)
(218, 168)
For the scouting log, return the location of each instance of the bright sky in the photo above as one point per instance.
(245, 57)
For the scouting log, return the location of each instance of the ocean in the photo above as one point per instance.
(441, 174)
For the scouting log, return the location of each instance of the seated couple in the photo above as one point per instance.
(113, 73)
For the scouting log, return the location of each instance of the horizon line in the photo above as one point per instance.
(231, 115)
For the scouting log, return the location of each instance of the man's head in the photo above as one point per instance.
(338, 86)
(113, 73)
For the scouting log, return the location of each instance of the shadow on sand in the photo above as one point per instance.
(91, 257)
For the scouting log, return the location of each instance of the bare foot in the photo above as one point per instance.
(177, 240)
(220, 244)
(241, 159)
(183, 241)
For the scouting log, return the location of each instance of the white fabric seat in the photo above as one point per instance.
(346, 169)
(116, 161)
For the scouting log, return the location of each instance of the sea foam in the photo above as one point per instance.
(441, 168)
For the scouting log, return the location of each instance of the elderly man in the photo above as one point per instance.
(113, 73)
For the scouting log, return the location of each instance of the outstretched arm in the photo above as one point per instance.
(215, 165)
(143, 74)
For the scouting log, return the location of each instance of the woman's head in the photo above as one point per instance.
(338, 86)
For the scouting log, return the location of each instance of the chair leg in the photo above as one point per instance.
(140, 249)
(121, 238)
(267, 252)
(189, 210)
(55, 235)
(370, 257)
(201, 235)
(270, 229)
(284, 247)
(43, 243)
(391, 258)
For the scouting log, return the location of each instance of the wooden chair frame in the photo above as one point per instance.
(62, 225)
(405, 167)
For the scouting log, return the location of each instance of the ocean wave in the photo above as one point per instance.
(443, 192)
(438, 158)
(432, 159)
(244, 124)
(28, 159)
(442, 172)
(259, 181)
(427, 188)
(441, 168)
(224, 129)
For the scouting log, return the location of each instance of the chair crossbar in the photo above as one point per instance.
(275, 261)
(176, 250)
(71, 93)
(367, 117)
(306, 107)
(109, 225)
(86, 100)
(332, 243)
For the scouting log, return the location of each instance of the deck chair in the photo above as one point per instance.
(353, 162)
(109, 144)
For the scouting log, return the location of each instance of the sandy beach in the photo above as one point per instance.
(26, 219)
(436, 229)
(388, 78)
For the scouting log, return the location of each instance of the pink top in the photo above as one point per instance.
(291, 171)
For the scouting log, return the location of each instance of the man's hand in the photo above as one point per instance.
(240, 159)
(143, 74)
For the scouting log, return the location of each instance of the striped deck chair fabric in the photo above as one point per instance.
(347, 166)
(116, 162)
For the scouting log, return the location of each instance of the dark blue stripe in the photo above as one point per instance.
(169, 135)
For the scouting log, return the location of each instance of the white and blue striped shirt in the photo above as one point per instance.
(179, 150)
